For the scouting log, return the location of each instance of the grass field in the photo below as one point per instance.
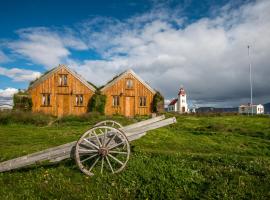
(200, 157)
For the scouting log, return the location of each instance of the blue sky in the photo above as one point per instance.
(198, 44)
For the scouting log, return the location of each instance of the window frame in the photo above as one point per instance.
(46, 99)
(129, 83)
(142, 101)
(63, 80)
(115, 100)
(79, 100)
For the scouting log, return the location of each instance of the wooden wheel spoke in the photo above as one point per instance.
(117, 145)
(119, 152)
(109, 163)
(89, 158)
(85, 146)
(100, 147)
(91, 143)
(87, 150)
(111, 139)
(97, 138)
(120, 162)
(94, 164)
(104, 136)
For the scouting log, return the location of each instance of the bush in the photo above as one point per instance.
(22, 101)
(158, 103)
(97, 103)
(22, 117)
(90, 118)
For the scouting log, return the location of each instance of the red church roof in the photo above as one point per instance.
(173, 102)
(181, 91)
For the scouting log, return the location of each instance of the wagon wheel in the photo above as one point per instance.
(110, 123)
(100, 149)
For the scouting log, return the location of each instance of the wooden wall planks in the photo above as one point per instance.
(62, 98)
(128, 96)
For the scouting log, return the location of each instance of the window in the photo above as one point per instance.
(129, 84)
(142, 101)
(79, 100)
(63, 80)
(116, 100)
(46, 99)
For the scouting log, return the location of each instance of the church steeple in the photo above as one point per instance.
(181, 91)
(182, 101)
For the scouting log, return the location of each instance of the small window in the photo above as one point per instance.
(63, 80)
(142, 101)
(116, 100)
(129, 84)
(46, 99)
(79, 100)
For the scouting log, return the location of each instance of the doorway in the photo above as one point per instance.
(129, 106)
(63, 104)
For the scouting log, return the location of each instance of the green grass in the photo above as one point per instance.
(200, 157)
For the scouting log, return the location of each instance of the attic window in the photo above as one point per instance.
(63, 80)
(129, 83)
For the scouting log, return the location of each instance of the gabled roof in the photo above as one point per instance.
(54, 70)
(123, 74)
(174, 101)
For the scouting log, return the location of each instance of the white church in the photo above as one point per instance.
(180, 103)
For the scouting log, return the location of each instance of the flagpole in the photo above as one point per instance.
(250, 80)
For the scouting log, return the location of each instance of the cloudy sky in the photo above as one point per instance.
(201, 45)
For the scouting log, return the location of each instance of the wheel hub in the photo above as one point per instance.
(103, 151)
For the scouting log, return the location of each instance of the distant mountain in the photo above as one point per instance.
(218, 110)
(267, 108)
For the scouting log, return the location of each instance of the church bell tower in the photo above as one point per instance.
(182, 106)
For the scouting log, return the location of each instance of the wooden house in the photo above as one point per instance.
(128, 95)
(61, 91)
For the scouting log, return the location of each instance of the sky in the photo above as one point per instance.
(200, 45)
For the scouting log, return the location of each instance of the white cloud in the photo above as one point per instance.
(18, 75)
(6, 96)
(45, 46)
(208, 56)
(8, 92)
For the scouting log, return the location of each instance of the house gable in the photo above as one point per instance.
(61, 92)
(55, 70)
(127, 94)
(124, 75)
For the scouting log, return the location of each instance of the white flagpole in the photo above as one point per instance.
(250, 80)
